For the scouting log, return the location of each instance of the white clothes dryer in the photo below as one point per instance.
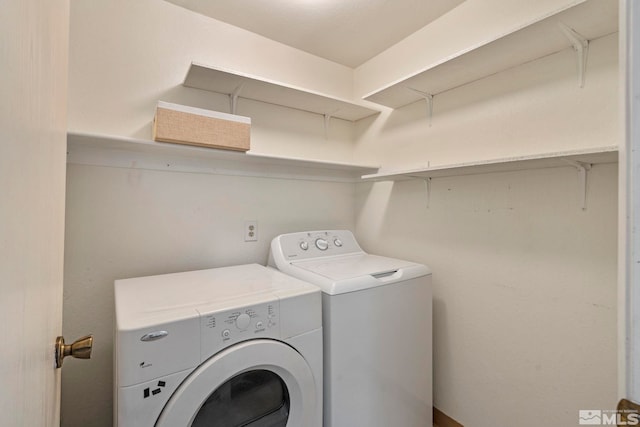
(234, 346)
(377, 329)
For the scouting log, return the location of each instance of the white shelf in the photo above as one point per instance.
(547, 160)
(227, 82)
(591, 19)
(123, 152)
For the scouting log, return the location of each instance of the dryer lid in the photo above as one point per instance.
(349, 273)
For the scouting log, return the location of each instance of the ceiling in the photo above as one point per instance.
(348, 32)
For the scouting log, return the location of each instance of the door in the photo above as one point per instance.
(33, 93)
(256, 383)
(629, 295)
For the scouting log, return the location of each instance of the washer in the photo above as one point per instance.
(377, 329)
(234, 346)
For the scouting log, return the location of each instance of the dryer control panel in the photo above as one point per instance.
(223, 328)
(313, 244)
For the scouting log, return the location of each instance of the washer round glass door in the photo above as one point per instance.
(254, 384)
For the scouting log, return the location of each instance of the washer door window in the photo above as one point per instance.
(254, 398)
(256, 383)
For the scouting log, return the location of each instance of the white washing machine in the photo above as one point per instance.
(377, 329)
(235, 346)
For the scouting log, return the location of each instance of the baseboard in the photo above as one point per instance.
(443, 420)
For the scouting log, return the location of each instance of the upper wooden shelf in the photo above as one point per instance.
(540, 161)
(124, 152)
(227, 82)
(591, 19)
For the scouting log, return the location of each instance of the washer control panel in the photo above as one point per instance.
(312, 244)
(223, 328)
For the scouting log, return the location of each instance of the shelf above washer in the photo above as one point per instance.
(239, 85)
(590, 19)
(581, 160)
(132, 153)
(539, 161)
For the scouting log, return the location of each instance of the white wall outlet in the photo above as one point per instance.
(250, 231)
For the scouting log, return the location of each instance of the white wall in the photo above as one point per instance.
(532, 109)
(524, 280)
(126, 56)
(524, 289)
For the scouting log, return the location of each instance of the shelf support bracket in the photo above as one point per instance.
(233, 99)
(581, 47)
(327, 119)
(582, 169)
(428, 97)
(427, 184)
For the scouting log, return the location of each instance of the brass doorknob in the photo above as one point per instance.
(80, 349)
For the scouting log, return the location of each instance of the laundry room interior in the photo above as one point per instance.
(502, 178)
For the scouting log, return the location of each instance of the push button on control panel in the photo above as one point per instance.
(243, 321)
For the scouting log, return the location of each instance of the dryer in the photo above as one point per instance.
(377, 328)
(234, 346)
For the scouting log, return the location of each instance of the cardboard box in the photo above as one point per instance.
(180, 124)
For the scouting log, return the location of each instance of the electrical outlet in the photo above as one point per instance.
(251, 231)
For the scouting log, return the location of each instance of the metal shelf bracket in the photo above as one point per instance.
(427, 187)
(428, 97)
(327, 119)
(233, 99)
(581, 47)
(582, 169)
(427, 184)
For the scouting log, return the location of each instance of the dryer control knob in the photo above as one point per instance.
(337, 242)
(322, 244)
(242, 322)
(304, 246)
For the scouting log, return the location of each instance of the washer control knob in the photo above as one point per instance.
(259, 325)
(322, 244)
(242, 322)
(304, 246)
(337, 242)
(226, 334)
